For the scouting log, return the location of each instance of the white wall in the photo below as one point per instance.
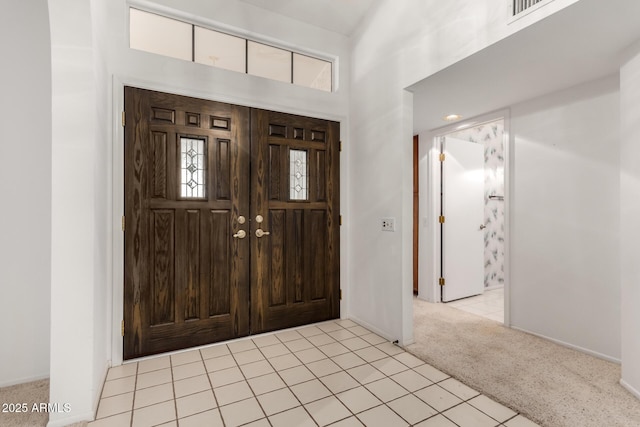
(91, 63)
(142, 69)
(395, 47)
(25, 173)
(79, 192)
(565, 279)
(630, 220)
(102, 289)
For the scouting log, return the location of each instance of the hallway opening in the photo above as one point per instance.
(449, 270)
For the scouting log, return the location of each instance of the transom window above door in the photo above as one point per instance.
(151, 32)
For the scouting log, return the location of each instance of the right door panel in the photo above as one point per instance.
(295, 189)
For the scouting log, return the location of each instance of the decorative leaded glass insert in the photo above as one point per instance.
(298, 175)
(192, 168)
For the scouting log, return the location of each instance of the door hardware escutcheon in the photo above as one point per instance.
(241, 219)
(260, 232)
(259, 219)
(241, 234)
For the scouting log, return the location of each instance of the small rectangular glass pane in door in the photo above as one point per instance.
(298, 175)
(192, 168)
(157, 34)
(220, 50)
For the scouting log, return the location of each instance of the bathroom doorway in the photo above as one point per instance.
(446, 262)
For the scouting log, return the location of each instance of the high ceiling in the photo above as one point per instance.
(340, 16)
(581, 43)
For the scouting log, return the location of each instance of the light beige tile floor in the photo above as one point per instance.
(333, 373)
(490, 304)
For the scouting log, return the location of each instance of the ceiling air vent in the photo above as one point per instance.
(520, 6)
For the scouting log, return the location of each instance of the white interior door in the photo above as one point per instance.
(463, 209)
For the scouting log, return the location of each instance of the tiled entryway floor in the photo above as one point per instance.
(332, 373)
(490, 304)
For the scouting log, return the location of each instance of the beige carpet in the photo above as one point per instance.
(29, 393)
(549, 384)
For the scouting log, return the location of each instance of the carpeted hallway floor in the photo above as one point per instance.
(549, 384)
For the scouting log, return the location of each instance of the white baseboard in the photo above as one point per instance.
(89, 416)
(62, 422)
(98, 390)
(572, 346)
(23, 380)
(629, 388)
(372, 328)
(408, 342)
(491, 288)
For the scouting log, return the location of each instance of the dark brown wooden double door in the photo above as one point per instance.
(231, 220)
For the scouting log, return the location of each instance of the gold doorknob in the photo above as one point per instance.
(241, 234)
(260, 232)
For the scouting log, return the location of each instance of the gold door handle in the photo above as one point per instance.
(260, 232)
(241, 234)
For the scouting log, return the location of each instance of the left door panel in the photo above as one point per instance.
(186, 187)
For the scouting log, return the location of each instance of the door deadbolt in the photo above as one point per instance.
(241, 219)
(259, 219)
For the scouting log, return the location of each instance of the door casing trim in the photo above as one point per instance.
(429, 255)
(115, 164)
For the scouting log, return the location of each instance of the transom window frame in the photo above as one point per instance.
(172, 14)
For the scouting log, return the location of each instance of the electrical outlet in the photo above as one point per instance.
(388, 224)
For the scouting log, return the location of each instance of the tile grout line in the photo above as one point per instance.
(413, 393)
(330, 358)
(135, 393)
(215, 398)
(287, 386)
(255, 397)
(386, 404)
(316, 376)
(282, 379)
(173, 388)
